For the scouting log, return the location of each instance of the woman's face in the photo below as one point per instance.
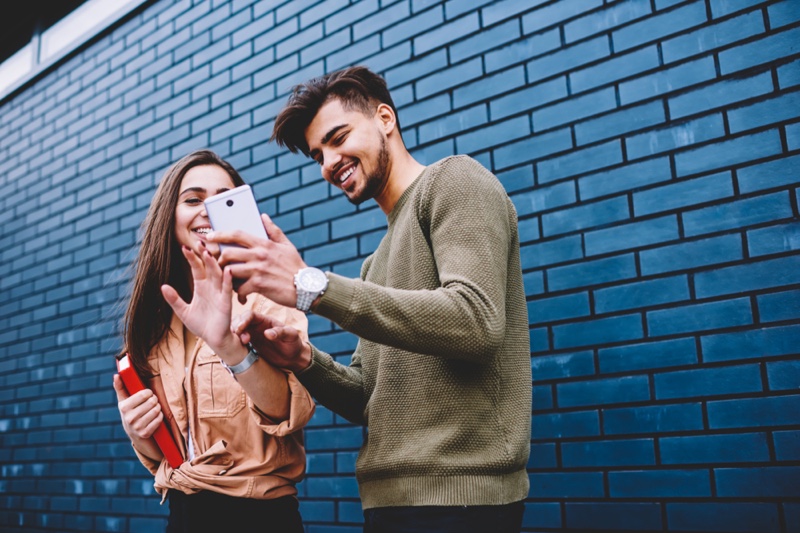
(191, 219)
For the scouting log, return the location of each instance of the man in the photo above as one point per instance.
(441, 375)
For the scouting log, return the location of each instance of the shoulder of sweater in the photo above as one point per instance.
(460, 174)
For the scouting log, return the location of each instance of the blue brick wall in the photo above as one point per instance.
(651, 148)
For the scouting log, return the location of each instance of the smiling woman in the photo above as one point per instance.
(229, 411)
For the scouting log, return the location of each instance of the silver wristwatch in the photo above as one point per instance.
(310, 283)
(249, 360)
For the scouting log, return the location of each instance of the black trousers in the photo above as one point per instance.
(211, 511)
(459, 519)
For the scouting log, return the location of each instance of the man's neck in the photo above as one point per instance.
(403, 171)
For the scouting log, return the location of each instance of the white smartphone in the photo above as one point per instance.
(233, 210)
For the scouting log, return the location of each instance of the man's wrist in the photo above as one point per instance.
(304, 359)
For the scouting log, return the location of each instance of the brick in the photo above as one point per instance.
(721, 8)
(589, 273)
(603, 391)
(708, 382)
(652, 419)
(448, 32)
(344, 17)
(783, 14)
(619, 122)
(758, 343)
(727, 517)
(528, 98)
(598, 331)
(533, 148)
(762, 51)
(641, 294)
(579, 161)
(778, 109)
(624, 178)
(562, 425)
(709, 449)
(753, 412)
(616, 516)
(502, 10)
(659, 483)
(522, 50)
(683, 194)
(779, 306)
(605, 19)
(633, 452)
(558, 308)
(380, 20)
(540, 198)
(453, 123)
(691, 254)
(568, 58)
(659, 354)
(789, 74)
(783, 375)
(484, 41)
(496, 134)
(718, 94)
(488, 87)
(787, 445)
(748, 277)
(773, 239)
(793, 136)
(449, 78)
(728, 153)
(406, 27)
(700, 317)
(737, 214)
(777, 173)
(667, 81)
(560, 366)
(574, 109)
(566, 485)
(657, 26)
(760, 482)
(585, 216)
(631, 235)
(713, 36)
(675, 136)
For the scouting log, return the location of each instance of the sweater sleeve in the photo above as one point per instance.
(338, 387)
(471, 226)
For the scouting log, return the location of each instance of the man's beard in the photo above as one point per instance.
(375, 180)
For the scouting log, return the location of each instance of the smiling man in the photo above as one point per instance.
(441, 374)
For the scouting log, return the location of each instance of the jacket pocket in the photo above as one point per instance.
(218, 393)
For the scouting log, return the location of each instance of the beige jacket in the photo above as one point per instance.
(238, 450)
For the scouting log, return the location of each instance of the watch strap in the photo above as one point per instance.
(247, 362)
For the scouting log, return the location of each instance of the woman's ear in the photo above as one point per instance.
(386, 117)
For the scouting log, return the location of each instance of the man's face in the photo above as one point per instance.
(350, 147)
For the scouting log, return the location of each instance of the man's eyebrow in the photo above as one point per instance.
(326, 138)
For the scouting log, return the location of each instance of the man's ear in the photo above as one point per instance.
(386, 117)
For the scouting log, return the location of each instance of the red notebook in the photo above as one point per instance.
(162, 435)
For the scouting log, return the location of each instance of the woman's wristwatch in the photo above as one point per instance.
(247, 362)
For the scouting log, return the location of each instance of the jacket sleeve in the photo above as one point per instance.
(471, 227)
(301, 409)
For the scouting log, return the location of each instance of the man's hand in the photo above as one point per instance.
(266, 266)
(279, 344)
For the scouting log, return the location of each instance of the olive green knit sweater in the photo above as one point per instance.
(441, 375)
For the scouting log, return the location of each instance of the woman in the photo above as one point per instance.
(240, 434)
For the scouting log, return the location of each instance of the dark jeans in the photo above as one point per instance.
(460, 519)
(211, 511)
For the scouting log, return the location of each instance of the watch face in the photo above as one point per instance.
(313, 280)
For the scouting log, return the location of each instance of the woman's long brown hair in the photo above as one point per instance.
(148, 315)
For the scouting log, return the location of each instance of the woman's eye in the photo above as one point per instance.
(193, 201)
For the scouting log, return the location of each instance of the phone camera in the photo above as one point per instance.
(229, 203)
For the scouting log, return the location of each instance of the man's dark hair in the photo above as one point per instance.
(358, 88)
